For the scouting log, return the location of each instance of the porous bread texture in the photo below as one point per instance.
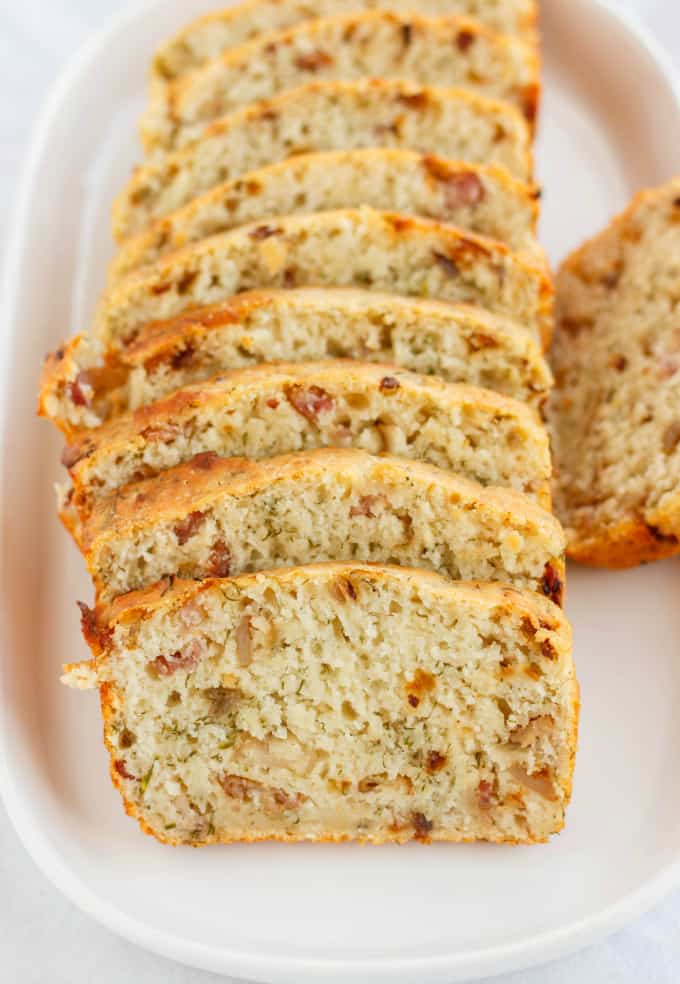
(632, 263)
(335, 702)
(349, 247)
(270, 410)
(83, 386)
(615, 415)
(224, 516)
(483, 198)
(453, 123)
(449, 51)
(210, 36)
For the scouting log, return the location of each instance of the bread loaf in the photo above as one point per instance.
(267, 480)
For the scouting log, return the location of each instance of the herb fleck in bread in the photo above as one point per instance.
(351, 247)
(83, 387)
(210, 36)
(453, 123)
(270, 410)
(480, 197)
(219, 516)
(448, 51)
(616, 411)
(336, 702)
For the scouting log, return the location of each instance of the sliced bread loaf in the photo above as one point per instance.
(335, 702)
(210, 36)
(83, 386)
(483, 198)
(453, 123)
(351, 247)
(449, 51)
(616, 411)
(219, 516)
(270, 410)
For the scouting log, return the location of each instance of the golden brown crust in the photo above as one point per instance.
(60, 371)
(57, 368)
(627, 544)
(572, 743)
(75, 375)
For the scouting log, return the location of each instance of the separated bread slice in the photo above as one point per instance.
(350, 247)
(449, 51)
(483, 198)
(219, 516)
(210, 36)
(271, 410)
(83, 386)
(336, 702)
(616, 411)
(453, 123)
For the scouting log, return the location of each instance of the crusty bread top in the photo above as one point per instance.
(208, 36)
(173, 593)
(348, 247)
(437, 51)
(207, 478)
(328, 115)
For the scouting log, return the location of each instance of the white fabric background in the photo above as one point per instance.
(42, 937)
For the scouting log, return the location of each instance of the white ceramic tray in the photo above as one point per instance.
(311, 913)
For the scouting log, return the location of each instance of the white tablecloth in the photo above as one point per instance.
(42, 937)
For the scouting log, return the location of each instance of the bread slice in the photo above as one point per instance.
(453, 123)
(83, 386)
(483, 198)
(616, 412)
(219, 516)
(350, 247)
(336, 702)
(210, 36)
(449, 51)
(271, 410)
